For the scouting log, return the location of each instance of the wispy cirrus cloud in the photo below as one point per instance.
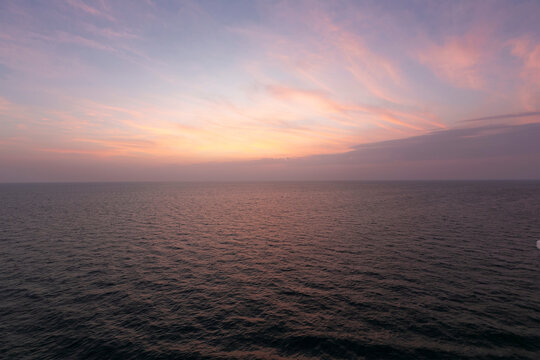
(528, 51)
(458, 60)
(352, 112)
(532, 114)
(88, 9)
(4, 104)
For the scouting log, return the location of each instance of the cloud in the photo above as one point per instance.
(505, 116)
(85, 8)
(465, 143)
(352, 112)
(484, 152)
(528, 51)
(4, 104)
(323, 46)
(496, 152)
(457, 60)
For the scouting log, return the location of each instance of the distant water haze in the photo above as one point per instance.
(307, 270)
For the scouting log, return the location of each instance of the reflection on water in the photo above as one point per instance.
(269, 270)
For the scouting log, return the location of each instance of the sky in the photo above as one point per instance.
(269, 90)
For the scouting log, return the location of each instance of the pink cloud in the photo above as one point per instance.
(330, 47)
(528, 51)
(458, 60)
(110, 33)
(81, 5)
(4, 104)
(372, 70)
(326, 104)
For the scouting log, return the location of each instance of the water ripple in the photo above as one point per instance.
(270, 271)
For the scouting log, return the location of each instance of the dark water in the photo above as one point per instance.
(266, 271)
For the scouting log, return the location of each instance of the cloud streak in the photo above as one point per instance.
(505, 116)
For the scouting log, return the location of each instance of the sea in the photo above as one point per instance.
(277, 270)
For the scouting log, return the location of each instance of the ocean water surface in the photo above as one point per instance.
(305, 270)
